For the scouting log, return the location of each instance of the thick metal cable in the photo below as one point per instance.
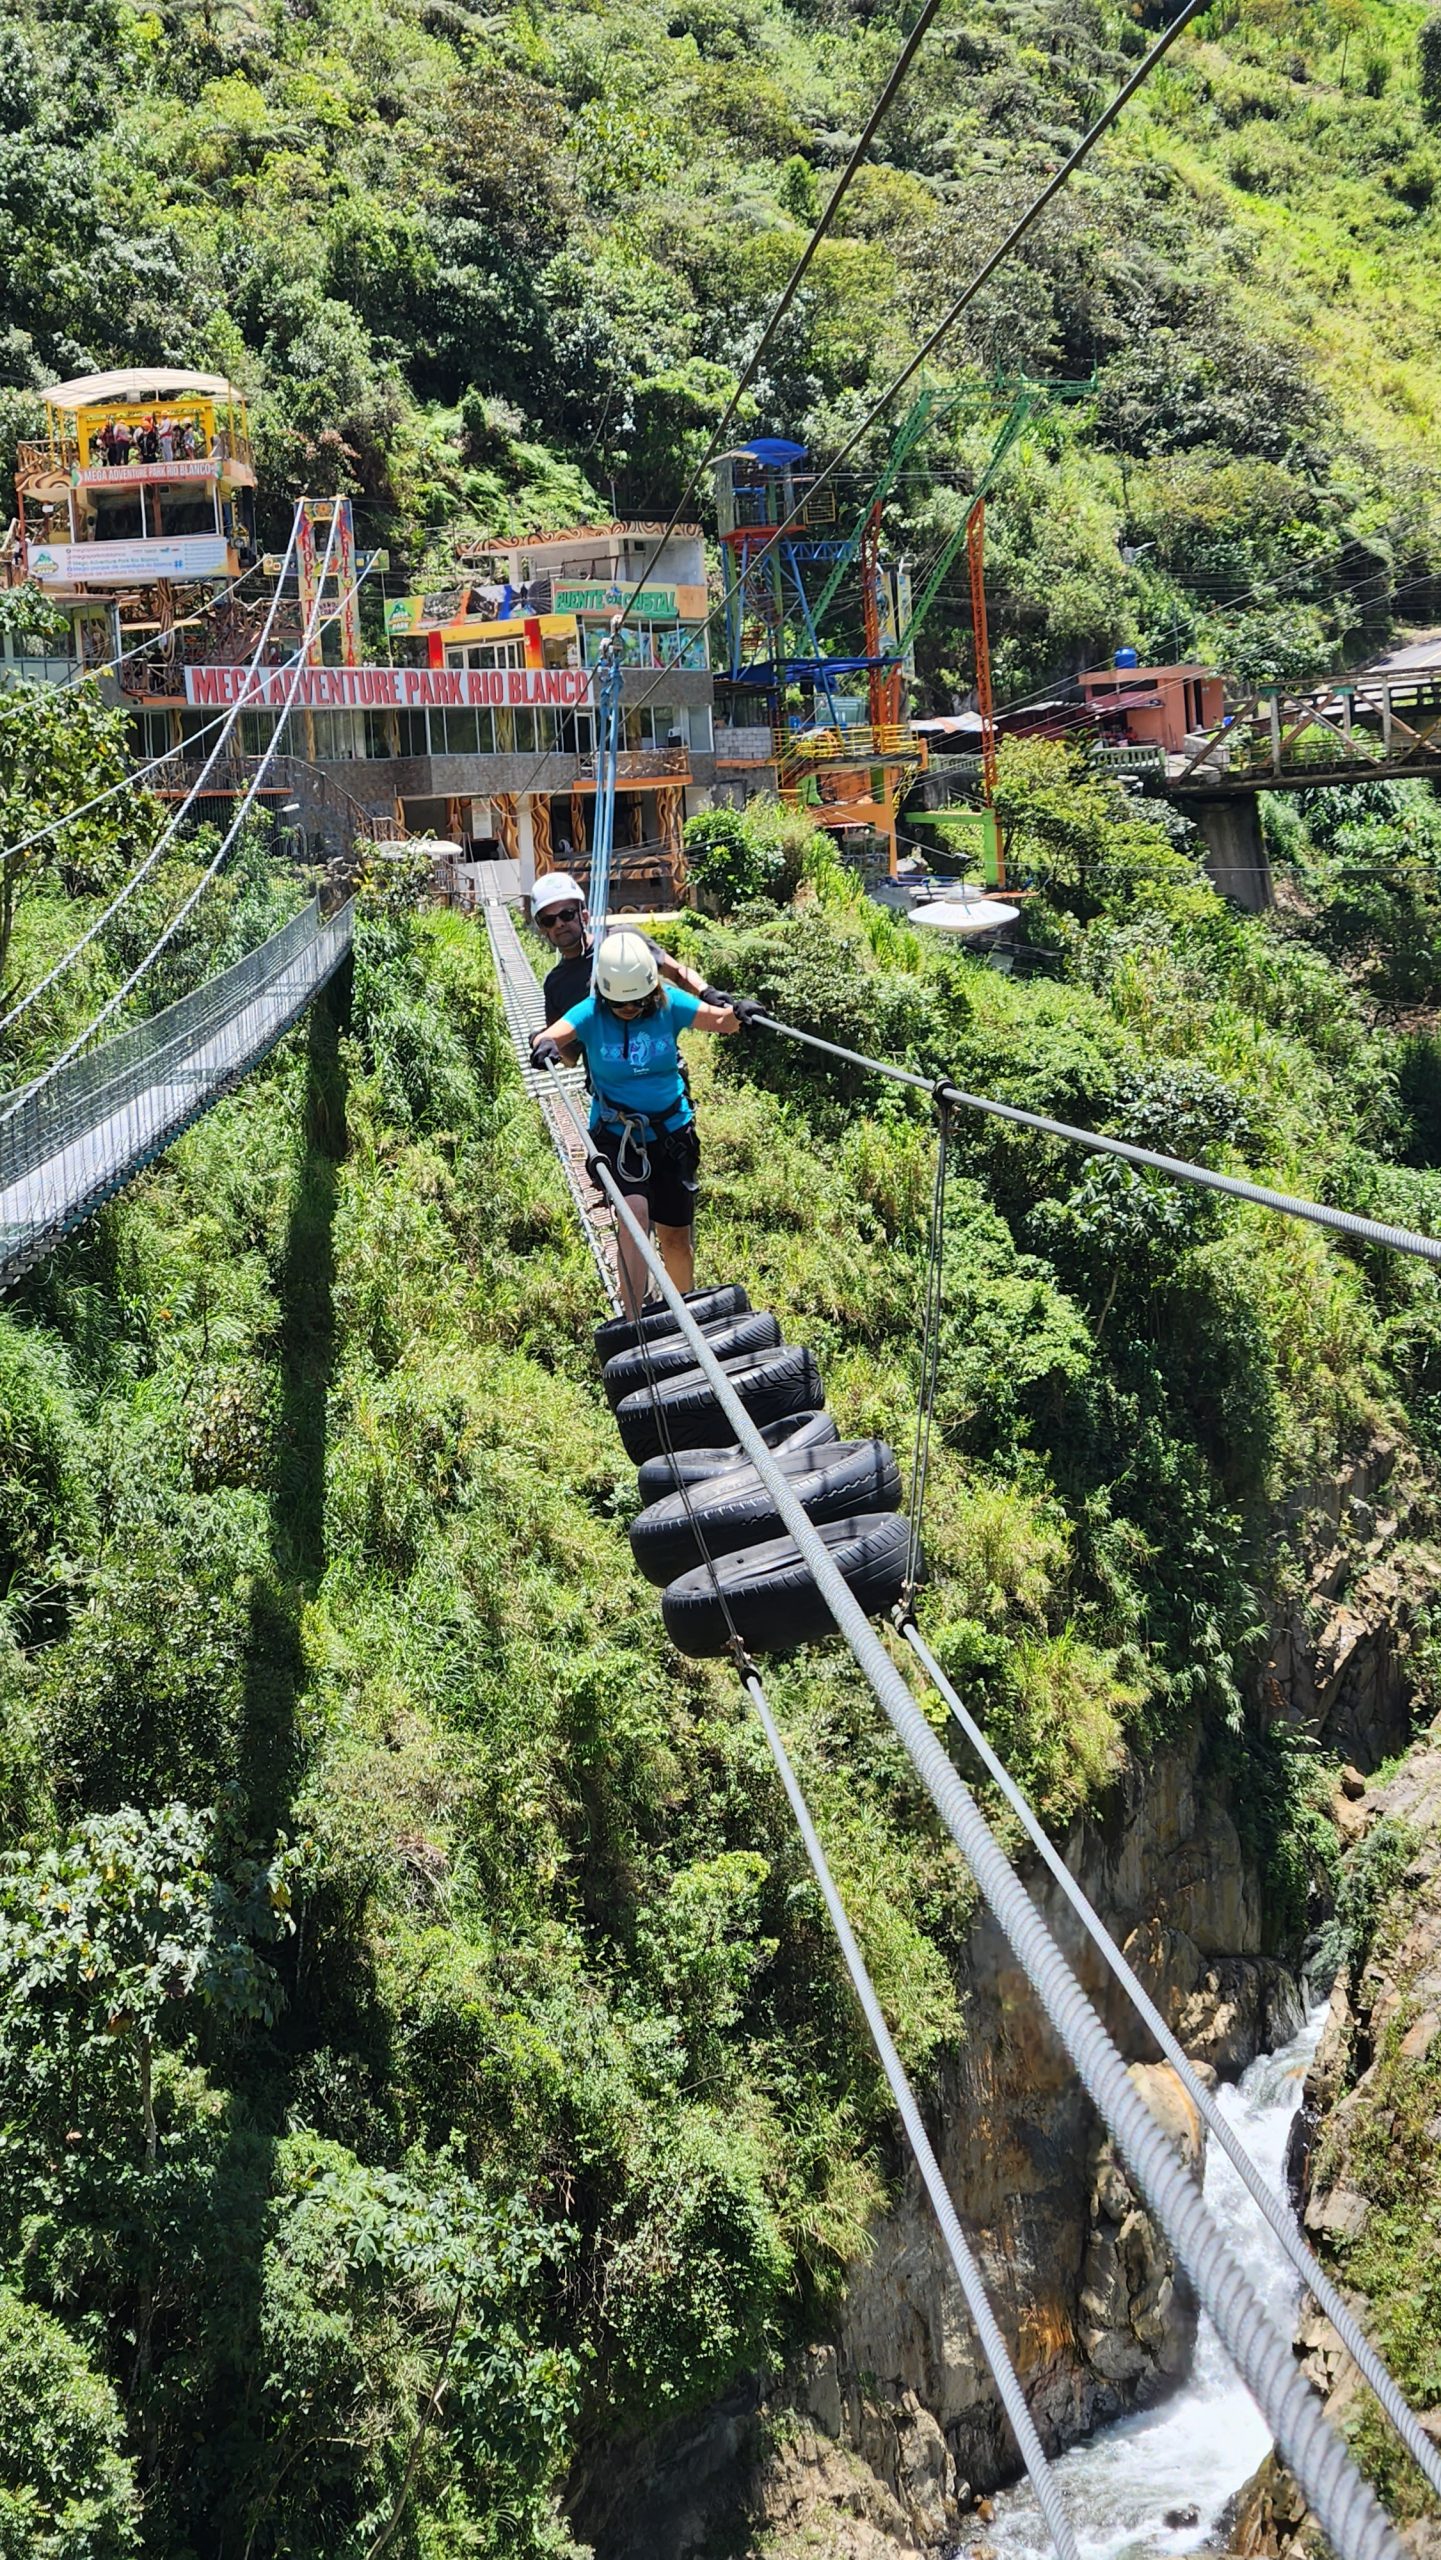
(1275, 2208)
(1012, 240)
(791, 288)
(266, 759)
(1346, 2507)
(968, 2274)
(1177, 1168)
(930, 1348)
(130, 782)
(608, 685)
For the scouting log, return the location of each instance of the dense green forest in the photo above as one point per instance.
(422, 2057)
(488, 271)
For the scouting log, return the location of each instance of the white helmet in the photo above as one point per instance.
(556, 889)
(625, 969)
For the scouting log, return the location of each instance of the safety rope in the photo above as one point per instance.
(1176, 1168)
(131, 782)
(1343, 2502)
(958, 2250)
(930, 1349)
(167, 934)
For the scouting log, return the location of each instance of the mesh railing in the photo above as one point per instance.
(81, 1135)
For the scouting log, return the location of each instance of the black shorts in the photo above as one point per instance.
(670, 1188)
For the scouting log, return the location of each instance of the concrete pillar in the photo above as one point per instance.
(1235, 853)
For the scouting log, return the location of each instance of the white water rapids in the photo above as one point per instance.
(1200, 2446)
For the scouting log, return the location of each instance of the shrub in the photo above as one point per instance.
(67, 2491)
(727, 862)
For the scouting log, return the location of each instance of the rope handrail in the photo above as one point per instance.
(74, 1141)
(1259, 1195)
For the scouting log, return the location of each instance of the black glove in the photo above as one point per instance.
(545, 1052)
(750, 1008)
(715, 995)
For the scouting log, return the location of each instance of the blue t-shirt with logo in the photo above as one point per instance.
(635, 1063)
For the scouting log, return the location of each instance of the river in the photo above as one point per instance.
(1200, 2446)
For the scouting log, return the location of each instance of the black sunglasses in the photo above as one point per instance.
(558, 915)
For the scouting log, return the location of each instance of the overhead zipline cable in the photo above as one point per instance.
(792, 286)
(1343, 2502)
(1037, 206)
(787, 296)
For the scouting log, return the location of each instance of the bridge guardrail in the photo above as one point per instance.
(80, 1135)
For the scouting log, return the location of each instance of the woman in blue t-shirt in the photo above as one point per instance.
(640, 1115)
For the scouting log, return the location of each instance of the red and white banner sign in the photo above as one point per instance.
(392, 688)
(131, 475)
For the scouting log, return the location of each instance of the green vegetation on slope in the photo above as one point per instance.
(488, 272)
(422, 2055)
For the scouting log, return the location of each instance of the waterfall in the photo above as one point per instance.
(1203, 2443)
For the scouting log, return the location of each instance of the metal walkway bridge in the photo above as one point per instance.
(72, 1140)
(1359, 728)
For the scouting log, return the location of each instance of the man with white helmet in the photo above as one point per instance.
(557, 909)
(641, 1120)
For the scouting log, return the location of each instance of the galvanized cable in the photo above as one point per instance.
(930, 1348)
(266, 759)
(968, 2275)
(1176, 1168)
(792, 286)
(1274, 2206)
(1037, 206)
(1345, 2505)
(168, 831)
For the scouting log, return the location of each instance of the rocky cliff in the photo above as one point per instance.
(882, 2439)
(1364, 2158)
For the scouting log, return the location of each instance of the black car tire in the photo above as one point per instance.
(735, 1510)
(793, 1433)
(627, 1370)
(622, 1333)
(768, 1383)
(771, 1598)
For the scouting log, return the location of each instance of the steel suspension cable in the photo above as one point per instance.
(930, 1348)
(958, 2249)
(171, 826)
(793, 284)
(1177, 1168)
(968, 2274)
(1272, 2204)
(1037, 206)
(1343, 2502)
(187, 622)
(168, 933)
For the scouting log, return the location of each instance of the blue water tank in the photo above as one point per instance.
(1127, 658)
